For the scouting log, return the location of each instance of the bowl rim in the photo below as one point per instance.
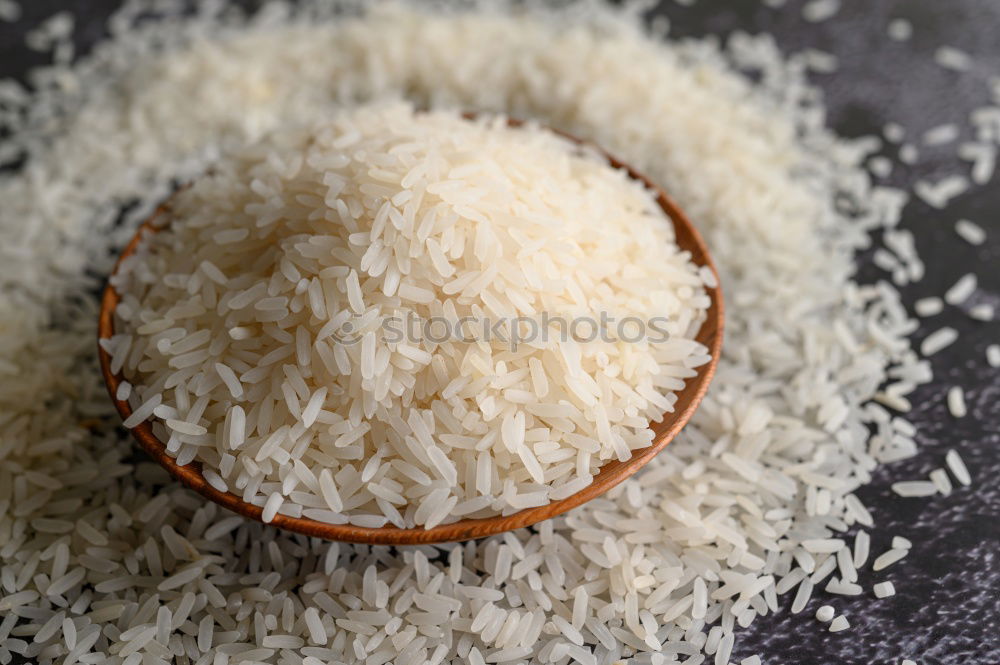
(610, 474)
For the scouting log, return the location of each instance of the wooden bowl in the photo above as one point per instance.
(612, 473)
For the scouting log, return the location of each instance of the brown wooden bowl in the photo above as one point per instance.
(612, 473)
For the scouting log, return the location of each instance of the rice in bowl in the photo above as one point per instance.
(408, 318)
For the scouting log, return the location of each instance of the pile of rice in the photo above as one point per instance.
(103, 559)
(393, 317)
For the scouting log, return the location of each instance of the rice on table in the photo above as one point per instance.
(408, 317)
(751, 509)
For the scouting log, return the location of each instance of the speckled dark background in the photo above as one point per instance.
(947, 610)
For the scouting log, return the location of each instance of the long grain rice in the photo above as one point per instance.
(131, 132)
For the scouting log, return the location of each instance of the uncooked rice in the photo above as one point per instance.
(773, 457)
(894, 132)
(958, 468)
(950, 57)
(938, 340)
(900, 29)
(941, 481)
(956, 402)
(993, 355)
(982, 312)
(938, 194)
(914, 488)
(941, 134)
(880, 166)
(971, 232)
(815, 11)
(10, 10)
(378, 217)
(884, 589)
(888, 558)
(961, 290)
(929, 306)
(825, 613)
(839, 624)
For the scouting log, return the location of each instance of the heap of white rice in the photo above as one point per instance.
(102, 559)
(408, 317)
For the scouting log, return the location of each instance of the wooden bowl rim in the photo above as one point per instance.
(611, 474)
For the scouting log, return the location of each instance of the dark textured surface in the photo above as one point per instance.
(947, 607)
(947, 610)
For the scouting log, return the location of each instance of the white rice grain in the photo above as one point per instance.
(816, 11)
(884, 590)
(900, 29)
(970, 232)
(950, 57)
(958, 468)
(929, 306)
(888, 558)
(839, 624)
(961, 290)
(938, 340)
(956, 402)
(914, 488)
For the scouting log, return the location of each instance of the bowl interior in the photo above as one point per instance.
(611, 474)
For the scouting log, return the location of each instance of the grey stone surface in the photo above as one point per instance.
(947, 607)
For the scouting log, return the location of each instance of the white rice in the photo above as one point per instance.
(842, 588)
(939, 194)
(956, 402)
(950, 57)
(941, 481)
(929, 306)
(900, 29)
(390, 261)
(993, 355)
(984, 162)
(124, 390)
(127, 137)
(888, 558)
(820, 61)
(884, 589)
(894, 132)
(880, 166)
(803, 595)
(862, 545)
(971, 232)
(825, 613)
(938, 340)
(914, 488)
(10, 10)
(958, 468)
(942, 134)
(961, 290)
(815, 11)
(839, 624)
(982, 312)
